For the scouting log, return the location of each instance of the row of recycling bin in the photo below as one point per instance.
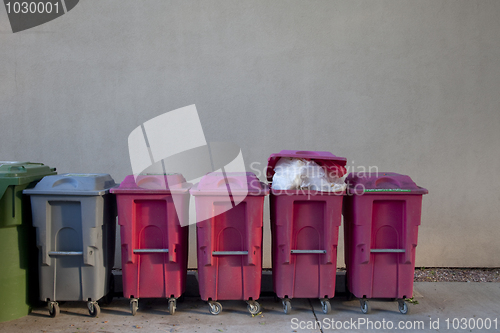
(75, 217)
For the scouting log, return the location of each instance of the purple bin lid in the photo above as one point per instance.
(325, 159)
(153, 184)
(383, 183)
(240, 183)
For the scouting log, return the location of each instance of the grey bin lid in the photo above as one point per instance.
(73, 184)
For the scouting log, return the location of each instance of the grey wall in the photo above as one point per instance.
(407, 86)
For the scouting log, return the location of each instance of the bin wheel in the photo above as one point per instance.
(172, 305)
(54, 309)
(326, 306)
(109, 296)
(215, 307)
(365, 306)
(253, 307)
(134, 305)
(403, 307)
(287, 306)
(94, 309)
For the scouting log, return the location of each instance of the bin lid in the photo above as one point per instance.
(153, 184)
(74, 184)
(18, 173)
(383, 183)
(325, 159)
(240, 183)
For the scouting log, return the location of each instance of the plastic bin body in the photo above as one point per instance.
(303, 223)
(304, 227)
(229, 245)
(75, 218)
(380, 232)
(148, 221)
(18, 252)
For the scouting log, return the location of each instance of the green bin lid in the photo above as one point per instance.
(18, 173)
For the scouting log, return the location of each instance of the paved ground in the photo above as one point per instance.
(436, 301)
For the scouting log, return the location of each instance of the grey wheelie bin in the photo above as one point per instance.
(75, 219)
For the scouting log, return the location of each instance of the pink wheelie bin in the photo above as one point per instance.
(229, 210)
(381, 218)
(154, 237)
(304, 227)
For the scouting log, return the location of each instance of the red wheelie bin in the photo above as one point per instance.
(381, 217)
(154, 237)
(304, 226)
(229, 238)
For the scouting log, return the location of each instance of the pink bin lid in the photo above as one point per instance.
(383, 183)
(325, 159)
(153, 184)
(240, 183)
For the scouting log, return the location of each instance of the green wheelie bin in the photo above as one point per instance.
(18, 252)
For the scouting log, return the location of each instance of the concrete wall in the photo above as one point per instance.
(407, 86)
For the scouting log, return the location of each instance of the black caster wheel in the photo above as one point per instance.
(54, 309)
(287, 305)
(365, 306)
(326, 306)
(94, 309)
(403, 307)
(253, 307)
(215, 307)
(172, 305)
(134, 306)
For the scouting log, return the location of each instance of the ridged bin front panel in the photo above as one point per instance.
(84, 226)
(230, 277)
(150, 222)
(375, 223)
(302, 223)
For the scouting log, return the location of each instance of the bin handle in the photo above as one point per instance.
(230, 253)
(65, 253)
(17, 168)
(150, 251)
(387, 250)
(308, 251)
